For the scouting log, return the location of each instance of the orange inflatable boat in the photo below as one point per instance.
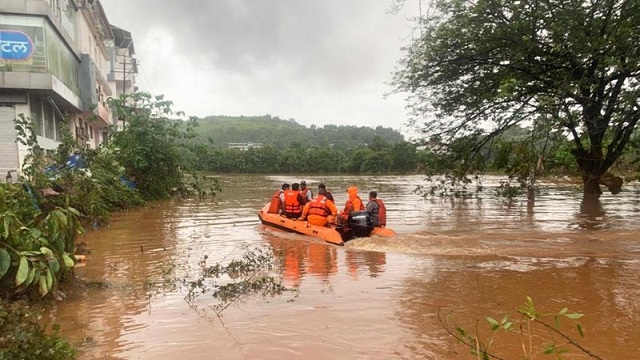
(331, 234)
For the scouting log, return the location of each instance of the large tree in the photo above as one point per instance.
(480, 67)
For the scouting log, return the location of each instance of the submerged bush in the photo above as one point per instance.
(240, 278)
(22, 337)
(96, 190)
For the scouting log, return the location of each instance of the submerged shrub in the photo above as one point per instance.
(239, 279)
(22, 337)
(98, 189)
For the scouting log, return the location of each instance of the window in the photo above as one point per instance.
(80, 129)
(56, 8)
(59, 125)
(49, 121)
(36, 115)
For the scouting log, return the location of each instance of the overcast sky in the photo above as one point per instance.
(316, 61)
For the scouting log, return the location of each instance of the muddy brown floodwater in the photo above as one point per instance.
(375, 298)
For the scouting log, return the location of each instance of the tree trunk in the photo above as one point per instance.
(591, 186)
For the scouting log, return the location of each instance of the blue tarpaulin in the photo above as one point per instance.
(76, 162)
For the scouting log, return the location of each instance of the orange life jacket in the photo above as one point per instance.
(291, 203)
(382, 213)
(349, 206)
(276, 204)
(319, 206)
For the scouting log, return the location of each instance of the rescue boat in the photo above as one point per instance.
(329, 234)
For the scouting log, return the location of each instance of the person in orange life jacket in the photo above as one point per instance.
(305, 191)
(293, 202)
(285, 187)
(377, 210)
(354, 203)
(318, 210)
(321, 187)
(277, 200)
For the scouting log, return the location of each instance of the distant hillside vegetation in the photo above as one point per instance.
(219, 131)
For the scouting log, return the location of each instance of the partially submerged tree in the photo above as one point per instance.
(572, 66)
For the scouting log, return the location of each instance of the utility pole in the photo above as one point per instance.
(126, 72)
(124, 79)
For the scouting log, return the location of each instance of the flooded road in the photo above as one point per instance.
(375, 298)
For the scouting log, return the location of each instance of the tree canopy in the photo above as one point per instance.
(153, 146)
(569, 67)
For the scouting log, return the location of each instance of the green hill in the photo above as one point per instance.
(219, 131)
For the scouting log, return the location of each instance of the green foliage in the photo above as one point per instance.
(396, 158)
(22, 337)
(152, 146)
(515, 158)
(35, 159)
(36, 248)
(528, 318)
(452, 187)
(95, 191)
(561, 161)
(404, 157)
(219, 131)
(479, 68)
(289, 147)
(455, 159)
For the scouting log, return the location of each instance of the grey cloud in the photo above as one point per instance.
(313, 40)
(318, 61)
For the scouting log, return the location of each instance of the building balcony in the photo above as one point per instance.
(44, 83)
(103, 113)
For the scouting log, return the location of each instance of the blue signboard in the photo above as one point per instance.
(15, 45)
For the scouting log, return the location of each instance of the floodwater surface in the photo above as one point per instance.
(375, 298)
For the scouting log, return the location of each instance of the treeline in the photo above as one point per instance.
(362, 150)
(219, 131)
(288, 147)
(378, 158)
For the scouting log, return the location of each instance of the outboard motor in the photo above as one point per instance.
(360, 223)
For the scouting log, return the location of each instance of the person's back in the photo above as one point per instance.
(285, 187)
(377, 210)
(305, 192)
(317, 211)
(354, 203)
(292, 203)
(276, 200)
(323, 189)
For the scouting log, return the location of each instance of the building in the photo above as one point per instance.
(58, 66)
(124, 66)
(245, 146)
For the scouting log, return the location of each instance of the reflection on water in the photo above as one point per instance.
(375, 298)
(303, 258)
(592, 215)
